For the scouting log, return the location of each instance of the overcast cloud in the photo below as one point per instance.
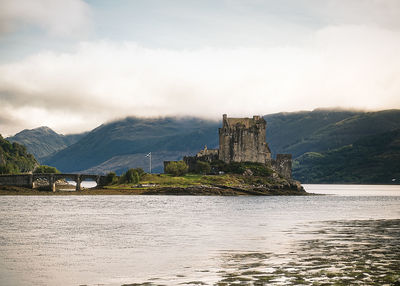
(57, 17)
(336, 56)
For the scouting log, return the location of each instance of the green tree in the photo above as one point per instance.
(140, 172)
(178, 168)
(132, 176)
(14, 158)
(46, 169)
(202, 167)
(111, 178)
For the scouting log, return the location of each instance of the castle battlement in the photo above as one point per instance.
(230, 122)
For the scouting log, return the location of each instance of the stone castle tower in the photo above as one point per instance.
(243, 140)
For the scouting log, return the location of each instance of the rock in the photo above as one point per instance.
(248, 173)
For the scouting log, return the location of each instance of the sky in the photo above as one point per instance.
(73, 64)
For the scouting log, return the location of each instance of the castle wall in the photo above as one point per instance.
(191, 162)
(205, 155)
(283, 165)
(207, 152)
(243, 140)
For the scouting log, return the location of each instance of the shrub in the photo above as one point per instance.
(140, 172)
(132, 176)
(178, 168)
(258, 169)
(218, 165)
(14, 158)
(46, 169)
(9, 168)
(111, 178)
(202, 167)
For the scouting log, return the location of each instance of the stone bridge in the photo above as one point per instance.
(31, 180)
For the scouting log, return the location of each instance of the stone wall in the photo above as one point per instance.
(283, 165)
(191, 161)
(243, 140)
(25, 180)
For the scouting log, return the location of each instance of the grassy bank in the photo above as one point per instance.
(165, 180)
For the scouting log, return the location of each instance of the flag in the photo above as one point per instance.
(148, 155)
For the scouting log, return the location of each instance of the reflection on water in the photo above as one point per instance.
(365, 252)
(354, 190)
(167, 240)
(71, 185)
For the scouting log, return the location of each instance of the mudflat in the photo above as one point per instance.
(176, 191)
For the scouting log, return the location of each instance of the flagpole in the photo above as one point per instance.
(149, 155)
(150, 162)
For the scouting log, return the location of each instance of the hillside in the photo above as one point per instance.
(113, 144)
(320, 130)
(43, 141)
(14, 158)
(372, 159)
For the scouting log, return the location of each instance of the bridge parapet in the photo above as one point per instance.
(30, 180)
(20, 180)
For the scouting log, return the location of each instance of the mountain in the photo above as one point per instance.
(122, 144)
(371, 159)
(14, 158)
(43, 141)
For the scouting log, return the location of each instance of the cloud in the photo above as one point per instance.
(57, 17)
(9, 123)
(380, 13)
(340, 66)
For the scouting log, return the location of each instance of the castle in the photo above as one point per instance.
(243, 140)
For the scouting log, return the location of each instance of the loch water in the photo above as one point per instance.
(352, 233)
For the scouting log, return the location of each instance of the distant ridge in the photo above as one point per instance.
(43, 141)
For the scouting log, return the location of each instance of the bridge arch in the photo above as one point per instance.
(90, 178)
(69, 177)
